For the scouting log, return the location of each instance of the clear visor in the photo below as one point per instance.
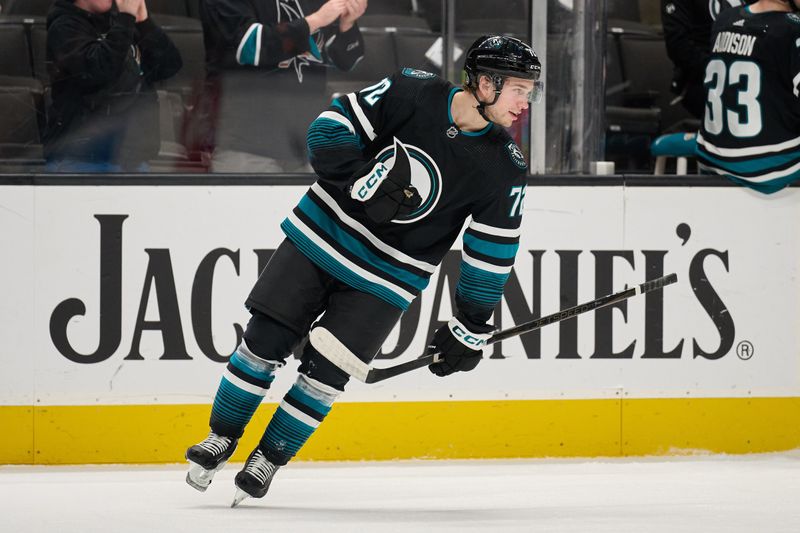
(534, 95)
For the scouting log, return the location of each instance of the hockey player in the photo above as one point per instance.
(402, 165)
(751, 129)
(687, 27)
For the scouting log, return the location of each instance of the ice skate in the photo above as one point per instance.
(207, 458)
(254, 479)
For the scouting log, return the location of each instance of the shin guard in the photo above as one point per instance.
(300, 413)
(244, 384)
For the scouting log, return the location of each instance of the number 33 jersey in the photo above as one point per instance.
(478, 176)
(751, 129)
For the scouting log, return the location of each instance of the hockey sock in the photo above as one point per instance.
(244, 384)
(300, 413)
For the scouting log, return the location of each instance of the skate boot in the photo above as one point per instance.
(254, 478)
(208, 458)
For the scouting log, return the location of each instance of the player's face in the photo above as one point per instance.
(514, 99)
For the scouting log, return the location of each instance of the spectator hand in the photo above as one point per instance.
(386, 192)
(326, 15)
(131, 7)
(460, 342)
(353, 11)
(141, 14)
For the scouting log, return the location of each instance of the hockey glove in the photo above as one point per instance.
(460, 342)
(386, 192)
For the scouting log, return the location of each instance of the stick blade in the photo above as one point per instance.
(337, 353)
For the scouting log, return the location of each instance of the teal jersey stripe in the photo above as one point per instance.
(762, 165)
(354, 246)
(767, 187)
(492, 249)
(298, 394)
(312, 46)
(453, 92)
(248, 55)
(338, 270)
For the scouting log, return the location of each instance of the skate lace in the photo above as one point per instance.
(260, 467)
(215, 444)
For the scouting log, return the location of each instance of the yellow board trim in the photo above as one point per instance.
(406, 430)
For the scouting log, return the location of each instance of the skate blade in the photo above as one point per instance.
(239, 497)
(199, 478)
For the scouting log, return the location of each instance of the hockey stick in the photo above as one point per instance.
(337, 353)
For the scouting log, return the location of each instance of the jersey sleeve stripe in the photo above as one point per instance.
(341, 119)
(491, 249)
(483, 265)
(485, 259)
(249, 51)
(366, 125)
(328, 133)
(493, 230)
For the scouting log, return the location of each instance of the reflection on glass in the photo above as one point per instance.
(244, 94)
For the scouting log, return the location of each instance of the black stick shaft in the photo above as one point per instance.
(379, 374)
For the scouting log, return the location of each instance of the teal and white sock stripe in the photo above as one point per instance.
(300, 413)
(244, 384)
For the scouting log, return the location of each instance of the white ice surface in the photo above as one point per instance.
(709, 494)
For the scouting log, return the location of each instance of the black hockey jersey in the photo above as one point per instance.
(751, 128)
(687, 28)
(458, 174)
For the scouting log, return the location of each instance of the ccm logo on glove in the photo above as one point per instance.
(476, 341)
(365, 187)
(385, 190)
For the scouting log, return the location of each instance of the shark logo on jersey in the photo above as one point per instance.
(425, 177)
(289, 10)
(716, 6)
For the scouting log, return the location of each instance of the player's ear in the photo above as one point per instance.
(485, 86)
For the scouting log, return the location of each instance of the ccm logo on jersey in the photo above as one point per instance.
(476, 341)
(366, 186)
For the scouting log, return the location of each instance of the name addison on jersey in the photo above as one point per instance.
(159, 283)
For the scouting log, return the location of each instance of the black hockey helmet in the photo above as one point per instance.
(500, 57)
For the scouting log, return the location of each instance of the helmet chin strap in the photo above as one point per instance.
(498, 86)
